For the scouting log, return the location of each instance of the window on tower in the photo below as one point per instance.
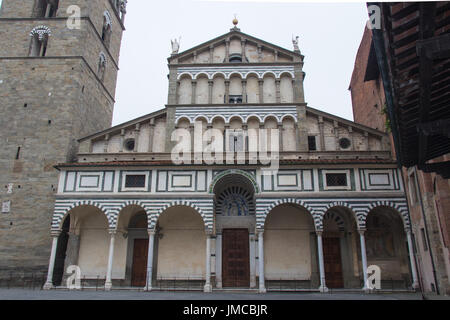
(46, 8)
(101, 66)
(39, 41)
(107, 29)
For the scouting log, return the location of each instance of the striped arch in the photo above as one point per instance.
(400, 207)
(247, 175)
(62, 209)
(154, 216)
(206, 75)
(185, 74)
(128, 203)
(340, 204)
(261, 218)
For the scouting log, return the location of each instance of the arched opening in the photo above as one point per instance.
(181, 251)
(84, 243)
(234, 207)
(132, 246)
(290, 248)
(185, 90)
(340, 238)
(387, 248)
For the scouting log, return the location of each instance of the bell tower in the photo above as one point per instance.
(58, 71)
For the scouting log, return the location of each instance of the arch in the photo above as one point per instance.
(267, 73)
(271, 115)
(201, 74)
(236, 116)
(294, 201)
(185, 75)
(182, 118)
(129, 204)
(41, 31)
(400, 208)
(218, 117)
(286, 73)
(234, 74)
(342, 204)
(225, 173)
(219, 73)
(254, 74)
(286, 116)
(253, 115)
(62, 210)
(200, 118)
(156, 215)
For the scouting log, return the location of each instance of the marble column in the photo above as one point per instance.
(278, 90)
(244, 91)
(412, 260)
(108, 283)
(227, 91)
(363, 258)
(261, 91)
(252, 243)
(262, 282)
(51, 266)
(208, 287)
(151, 135)
(219, 261)
(323, 285)
(151, 246)
(210, 91)
(194, 91)
(280, 137)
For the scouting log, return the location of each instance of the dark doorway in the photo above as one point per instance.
(333, 263)
(139, 270)
(60, 258)
(235, 258)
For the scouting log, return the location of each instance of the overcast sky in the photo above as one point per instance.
(329, 38)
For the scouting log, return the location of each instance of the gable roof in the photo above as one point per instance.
(235, 32)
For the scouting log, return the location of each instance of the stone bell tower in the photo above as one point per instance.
(58, 72)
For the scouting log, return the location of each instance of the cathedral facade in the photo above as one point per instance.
(236, 183)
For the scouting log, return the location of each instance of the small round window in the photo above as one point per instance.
(129, 144)
(344, 143)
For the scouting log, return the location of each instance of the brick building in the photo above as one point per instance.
(428, 190)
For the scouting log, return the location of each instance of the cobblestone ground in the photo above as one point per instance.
(23, 294)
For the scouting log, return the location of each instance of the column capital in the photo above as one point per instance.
(319, 233)
(260, 82)
(151, 232)
(112, 232)
(361, 231)
(210, 82)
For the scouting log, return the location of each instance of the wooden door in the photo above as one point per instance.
(139, 269)
(333, 263)
(235, 258)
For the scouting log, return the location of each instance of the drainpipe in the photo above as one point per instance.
(426, 233)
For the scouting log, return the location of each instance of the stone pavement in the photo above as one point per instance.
(24, 294)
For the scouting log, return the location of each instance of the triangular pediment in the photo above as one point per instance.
(234, 34)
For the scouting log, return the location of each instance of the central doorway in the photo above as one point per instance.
(235, 258)
(333, 263)
(139, 271)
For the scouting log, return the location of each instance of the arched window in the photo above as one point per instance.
(107, 28)
(39, 41)
(101, 66)
(46, 8)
